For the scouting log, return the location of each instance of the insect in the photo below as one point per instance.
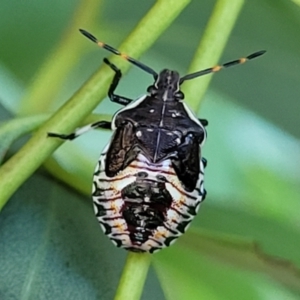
(148, 182)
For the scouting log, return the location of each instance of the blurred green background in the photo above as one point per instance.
(50, 243)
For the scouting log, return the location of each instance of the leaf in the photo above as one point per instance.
(203, 266)
(242, 254)
(186, 275)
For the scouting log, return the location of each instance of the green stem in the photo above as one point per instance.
(133, 276)
(13, 129)
(51, 76)
(212, 44)
(16, 170)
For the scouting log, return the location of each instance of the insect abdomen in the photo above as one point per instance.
(144, 207)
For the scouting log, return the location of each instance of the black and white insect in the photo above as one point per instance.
(148, 182)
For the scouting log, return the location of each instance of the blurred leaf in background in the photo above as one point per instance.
(50, 243)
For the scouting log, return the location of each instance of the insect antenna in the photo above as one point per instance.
(217, 68)
(117, 52)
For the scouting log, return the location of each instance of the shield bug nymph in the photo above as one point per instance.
(148, 182)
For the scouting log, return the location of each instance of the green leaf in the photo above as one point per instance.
(49, 249)
(243, 254)
(184, 275)
(188, 274)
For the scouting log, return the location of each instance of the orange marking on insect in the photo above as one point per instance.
(243, 60)
(160, 234)
(181, 202)
(100, 44)
(216, 68)
(119, 225)
(124, 55)
(114, 207)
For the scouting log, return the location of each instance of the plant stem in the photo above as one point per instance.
(16, 170)
(13, 129)
(50, 77)
(133, 276)
(212, 44)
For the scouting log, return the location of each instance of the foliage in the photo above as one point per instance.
(244, 243)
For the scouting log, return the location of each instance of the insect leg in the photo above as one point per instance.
(113, 97)
(82, 130)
